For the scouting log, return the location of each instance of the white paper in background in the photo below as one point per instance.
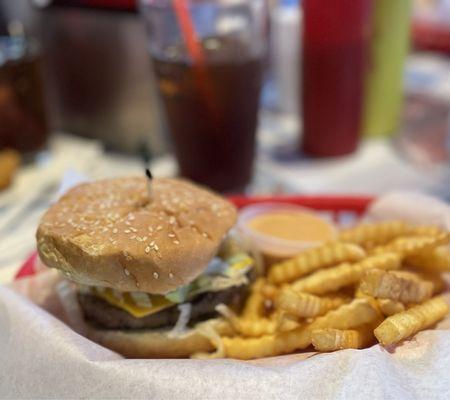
(42, 358)
(415, 207)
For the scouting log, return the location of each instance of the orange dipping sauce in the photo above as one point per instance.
(292, 225)
(281, 231)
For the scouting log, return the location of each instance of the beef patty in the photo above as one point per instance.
(104, 315)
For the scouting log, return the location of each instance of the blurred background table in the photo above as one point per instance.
(117, 113)
(379, 165)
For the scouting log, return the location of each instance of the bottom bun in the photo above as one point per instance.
(157, 343)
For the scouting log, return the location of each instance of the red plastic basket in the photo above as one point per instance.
(335, 205)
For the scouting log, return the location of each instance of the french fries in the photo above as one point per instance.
(267, 346)
(368, 235)
(435, 260)
(426, 230)
(335, 278)
(348, 316)
(402, 325)
(270, 291)
(438, 281)
(354, 314)
(305, 305)
(376, 284)
(413, 245)
(248, 326)
(314, 259)
(254, 306)
(330, 339)
(285, 322)
(255, 328)
(398, 287)
(390, 307)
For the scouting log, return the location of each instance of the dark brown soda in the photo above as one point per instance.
(212, 111)
(23, 124)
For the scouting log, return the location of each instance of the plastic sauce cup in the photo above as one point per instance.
(280, 231)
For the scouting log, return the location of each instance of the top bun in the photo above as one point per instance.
(110, 233)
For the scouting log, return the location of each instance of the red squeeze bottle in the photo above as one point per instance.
(335, 48)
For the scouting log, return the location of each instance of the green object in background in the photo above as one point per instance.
(384, 86)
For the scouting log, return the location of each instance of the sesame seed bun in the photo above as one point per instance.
(111, 233)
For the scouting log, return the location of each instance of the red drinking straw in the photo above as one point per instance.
(188, 32)
(196, 53)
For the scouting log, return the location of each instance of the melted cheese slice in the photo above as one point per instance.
(233, 276)
(127, 303)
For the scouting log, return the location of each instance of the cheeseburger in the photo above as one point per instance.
(150, 266)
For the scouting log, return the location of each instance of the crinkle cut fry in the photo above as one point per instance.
(331, 339)
(254, 305)
(405, 288)
(269, 291)
(426, 230)
(256, 327)
(248, 326)
(305, 305)
(412, 245)
(348, 316)
(267, 346)
(313, 259)
(435, 260)
(405, 324)
(390, 307)
(335, 278)
(376, 233)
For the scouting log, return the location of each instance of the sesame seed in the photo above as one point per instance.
(204, 234)
(170, 275)
(156, 247)
(126, 231)
(127, 273)
(133, 229)
(155, 275)
(150, 229)
(131, 217)
(147, 249)
(139, 239)
(176, 241)
(171, 235)
(115, 230)
(152, 243)
(159, 228)
(144, 238)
